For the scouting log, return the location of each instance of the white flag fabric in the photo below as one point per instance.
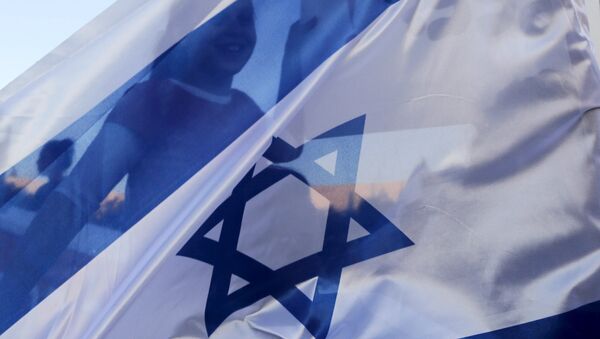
(342, 169)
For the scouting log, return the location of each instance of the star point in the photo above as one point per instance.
(355, 233)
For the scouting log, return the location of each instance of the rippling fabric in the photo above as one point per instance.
(321, 169)
(161, 127)
(578, 323)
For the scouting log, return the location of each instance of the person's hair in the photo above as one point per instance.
(51, 151)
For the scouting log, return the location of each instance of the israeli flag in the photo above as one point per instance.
(306, 169)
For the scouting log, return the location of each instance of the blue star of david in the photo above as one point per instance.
(326, 265)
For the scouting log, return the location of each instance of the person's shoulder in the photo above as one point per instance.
(141, 109)
(149, 92)
(244, 101)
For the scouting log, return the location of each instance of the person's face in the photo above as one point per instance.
(228, 39)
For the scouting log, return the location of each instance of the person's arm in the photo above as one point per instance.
(110, 156)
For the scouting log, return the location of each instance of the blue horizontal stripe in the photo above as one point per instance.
(582, 322)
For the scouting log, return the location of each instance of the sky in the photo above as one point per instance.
(30, 29)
